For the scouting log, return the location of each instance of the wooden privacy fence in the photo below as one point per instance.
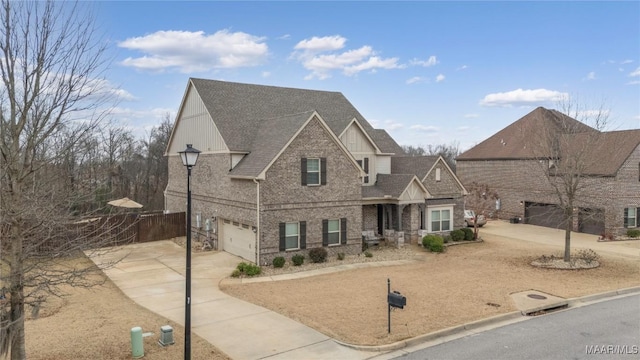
(114, 230)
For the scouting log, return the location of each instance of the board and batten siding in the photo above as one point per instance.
(360, 147)
(195, 126)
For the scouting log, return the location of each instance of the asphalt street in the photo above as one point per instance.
(605, 330)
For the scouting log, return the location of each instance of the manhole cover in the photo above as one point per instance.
(537, 297)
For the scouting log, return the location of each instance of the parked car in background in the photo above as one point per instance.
(470, 218)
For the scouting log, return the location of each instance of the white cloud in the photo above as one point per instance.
(265, 74)
(523, 97)
(424, 128)
(471, 116)
(319, 55)
(628, 61)
(463, 128)
(416, 79)
(195, 51)
(388, 125)
(634, 82)
(320, 44)
(592, 114)
(635, 72)
(431, 61)
(439, 78)
(591, 75)
(463, 67)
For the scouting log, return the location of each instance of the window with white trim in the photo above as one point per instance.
(437, 174)
(333, 232)
(440, 219)
(313, 171)
(292, 236)
(631, 217)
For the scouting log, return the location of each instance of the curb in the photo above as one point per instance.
(482, 322)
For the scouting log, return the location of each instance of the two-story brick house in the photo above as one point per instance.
(512, 163)
(283, 170)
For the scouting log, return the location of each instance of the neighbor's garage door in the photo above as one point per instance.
(238, 239)
(591, 221)
(543, 215)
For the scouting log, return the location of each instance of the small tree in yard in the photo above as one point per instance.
(50, 101)
(482, 200)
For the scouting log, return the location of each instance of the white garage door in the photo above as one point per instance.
(238, 239)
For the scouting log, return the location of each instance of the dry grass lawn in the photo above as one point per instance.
(442, 290)
(96, 324)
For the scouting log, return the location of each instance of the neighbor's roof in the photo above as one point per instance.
(604, 152)
(238, 110)
(510, 142)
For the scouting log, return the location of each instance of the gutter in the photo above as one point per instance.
(257, 221)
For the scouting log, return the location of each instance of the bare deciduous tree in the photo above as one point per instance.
(52, 93)
(568, 146)
(482, 200)
(448, 152)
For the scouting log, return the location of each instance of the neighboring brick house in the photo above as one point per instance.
(285, 170)
(608, 198)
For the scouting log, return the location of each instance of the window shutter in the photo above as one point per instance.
(343, 231)
(303, 234)
(303, 171)
(323, 171)
(282, 236)
(366, 170)
(325, 232)
(637, 217)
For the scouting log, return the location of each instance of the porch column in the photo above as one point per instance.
(400, 210)
(423, 215)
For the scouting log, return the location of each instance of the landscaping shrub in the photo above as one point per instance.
(587, 255)
(368, 253)
(437, 245)
(297, 259)
(318, 255)
(278, 262)
(244, 268)
(428, 239)
(633, 233)
(468, 233)
(457, 235)
(341, 256)
(447, 239)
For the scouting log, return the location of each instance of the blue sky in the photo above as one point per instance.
(427, 72)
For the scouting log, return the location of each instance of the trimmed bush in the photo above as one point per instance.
(447, 239)
(589, 256)
(318, 255)
(468, 233)
(247, 269)
(437, 245)
(297, 260)
(457, 235)
(341, 256)
(278, 262)
(428, 239)
(368, 253)
(633, 233)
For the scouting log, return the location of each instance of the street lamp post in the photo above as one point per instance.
(189, 157)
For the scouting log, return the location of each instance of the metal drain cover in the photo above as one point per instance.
(537, 297)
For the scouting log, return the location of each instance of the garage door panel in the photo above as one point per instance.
(591, 221)
(238, 240)
(547, 215)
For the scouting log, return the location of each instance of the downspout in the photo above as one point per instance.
(257, 221)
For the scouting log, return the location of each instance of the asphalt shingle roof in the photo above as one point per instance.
(417, 165)
(387, 184)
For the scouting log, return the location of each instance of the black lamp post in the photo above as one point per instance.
(189, 157)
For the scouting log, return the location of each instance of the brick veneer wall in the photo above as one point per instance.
(284, 199)
(519, 181)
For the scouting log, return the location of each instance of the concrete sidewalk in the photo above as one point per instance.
(152, 274)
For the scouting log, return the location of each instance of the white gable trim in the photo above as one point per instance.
(191, 87)
(441, 160)
(414, 181)
(332, 135)
(355, 121)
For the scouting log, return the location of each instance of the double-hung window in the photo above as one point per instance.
(313, 171)
(293, 235)
(631, 217)
(440, 220)
(334, 232)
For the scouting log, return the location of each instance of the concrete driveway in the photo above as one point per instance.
(152, 274)
(555, 237)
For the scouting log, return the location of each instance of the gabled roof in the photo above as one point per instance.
(510, 142)
(391, 186)
(418, 165)
(609, 152)
(235, 108)
(385, 142)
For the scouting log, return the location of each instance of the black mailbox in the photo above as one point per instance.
(396, 299)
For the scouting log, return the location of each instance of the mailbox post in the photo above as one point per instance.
(394, 299)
